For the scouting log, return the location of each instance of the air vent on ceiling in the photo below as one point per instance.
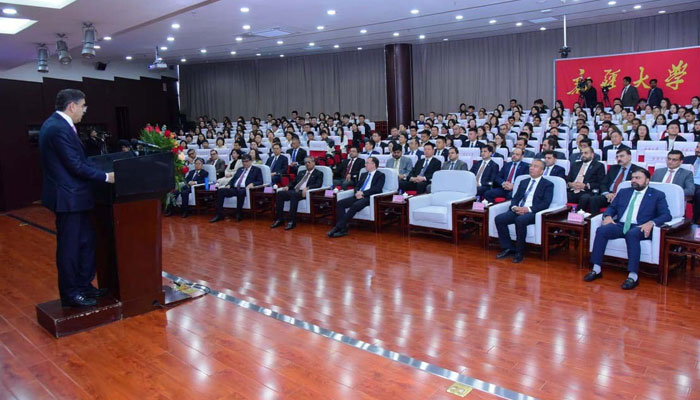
(270, 33)
(542, 20)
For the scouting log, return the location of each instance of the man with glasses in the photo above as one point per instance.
(599, 197)
(245, 178)
(695, 162)
(673, 173)
(310, 178)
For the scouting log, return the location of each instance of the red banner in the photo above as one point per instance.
(676, 71)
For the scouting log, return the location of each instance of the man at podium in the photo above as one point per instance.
(67, 191)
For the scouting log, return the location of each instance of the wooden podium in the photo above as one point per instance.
(127, 220)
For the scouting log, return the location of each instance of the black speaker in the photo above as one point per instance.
(100, 66)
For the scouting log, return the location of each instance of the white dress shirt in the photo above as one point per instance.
(72, 125)
(668, 173)
(635, 209)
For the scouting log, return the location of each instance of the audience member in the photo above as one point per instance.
(305, 180)
(245, 178)
(503, 183)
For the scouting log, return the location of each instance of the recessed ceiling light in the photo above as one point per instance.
(445, 39)
(330, 12)
(280, 42)
(335, 46)
(9, 11)
(359, 48)
(97, 47)
(11, 26)
(233, 53)
(662, 11)
(175, 26)
(238, 38)
(107, 38)
(129, 57)
(246, 27)
(320, 27)
(169, 39)
(493, 21)
(164, 48)
(415, 11)
(312, 44)
(203, 51)
(183, 60)
(363, 31)
(258, 54)
(281, 55)
(612, 3)
(518, 24)
(637, 7)
(396, 34)
(542, 28)
(57, 4)
(245, 9)
(458, 17)
(421, 37)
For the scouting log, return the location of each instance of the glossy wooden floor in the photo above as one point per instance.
(535, 328)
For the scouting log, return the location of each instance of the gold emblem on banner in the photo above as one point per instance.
(459, 389)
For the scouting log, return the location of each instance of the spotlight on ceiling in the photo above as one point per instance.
(62, 50)
(42, 59)
(89, 37)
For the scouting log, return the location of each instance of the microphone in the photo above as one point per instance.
(135, 142)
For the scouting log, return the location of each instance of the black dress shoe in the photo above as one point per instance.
(277, 223)
(78, 301)
(332, 231)
(93, 292)
(504, 253)
(591, 276)
(630, 283)
(216, 218)
(289, 226)
(518, 258)
(340, 233)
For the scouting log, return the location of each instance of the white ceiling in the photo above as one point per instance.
(137, 26)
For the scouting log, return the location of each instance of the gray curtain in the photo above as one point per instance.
(346, 82)
(492, 70)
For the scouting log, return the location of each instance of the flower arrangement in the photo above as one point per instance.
(167, 141)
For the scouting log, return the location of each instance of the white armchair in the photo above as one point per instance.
(232, 202)
(211, 174)
(434, 211)
(391, 185)
(534, 231)
(304, 206)
(651, 249)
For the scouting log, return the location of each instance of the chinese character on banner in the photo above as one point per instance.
(675, 74)
(642, 79)
(609, 78)
(576, 80)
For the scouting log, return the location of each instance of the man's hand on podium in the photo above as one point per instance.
(110, 177)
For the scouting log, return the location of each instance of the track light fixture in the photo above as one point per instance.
(42, 59)
(62, 50)
(89, 36)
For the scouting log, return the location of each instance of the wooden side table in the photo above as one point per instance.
(561, 227)
(466, 220)
(262, 202)
(323, 207)
(205, 200)
(387, 211)
(682, 238)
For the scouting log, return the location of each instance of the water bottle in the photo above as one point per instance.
(573, 208)
(206, 183)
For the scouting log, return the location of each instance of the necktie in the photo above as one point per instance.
(452, 165)
(581, 173)
(619, 179)
(367, 181)
(294, 155)
(425, 166)
(301, 185)
(240, 180)
(527, 193)
(272, 164)
(481, 172)
(512, 172)
(546, 171)
(670, 176)
(630, 209)
(349, 168)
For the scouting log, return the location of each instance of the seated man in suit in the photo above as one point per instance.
(673, 173)
(551, 144)
(695, 162)
(307, 179)
(673, 134)
(194, 177)
(550, 165)
(348, 170)
(471, 139)
(632, 215)
(246, 177)
(522, 145)
(583, 143)
(534, 194)
(297, 155)
(413, 150)
(400, 163)
(277, 163)
(616, 139)
(585, 176)
(370, 183)
(218, 163)
(440, 149)
(594, 200)
(422, 172)
(369, 148)
(485, 170)
(452, 162)
(503, 183)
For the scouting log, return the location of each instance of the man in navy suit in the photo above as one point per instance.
(67, 192)
(278, 163)
(534, 194)
(422, 172)
(485, 170)
(503, 184)
(296, 155)
(194, 177)
(550, 165)
(296, 191)
(246, 177)
(695, 161)
(632, 215)
(655, 94)
(369, 184)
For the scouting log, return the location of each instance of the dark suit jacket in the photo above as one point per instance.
(199, 178)
(523, 168)
(610, 177)
(654, 97)
(559, 155)
(445, 153)
(557, 171)
(489, 174)
(376, 186)
(594, 174)
(689, 159)
(419, 153)
(631, 97)
(433, 167)
(609, 147)
(254, 176)
(542, 197)
(653, 207)
(679, 138)
(315, 180)
(591, 97)
(280, 166)
(466, 143)
(354, 172)
(301, 155)
(68, 175)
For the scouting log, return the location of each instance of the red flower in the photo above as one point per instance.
(167, 132)
(149, 129)
(175, 150)
(157, 129)
(185, 170)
